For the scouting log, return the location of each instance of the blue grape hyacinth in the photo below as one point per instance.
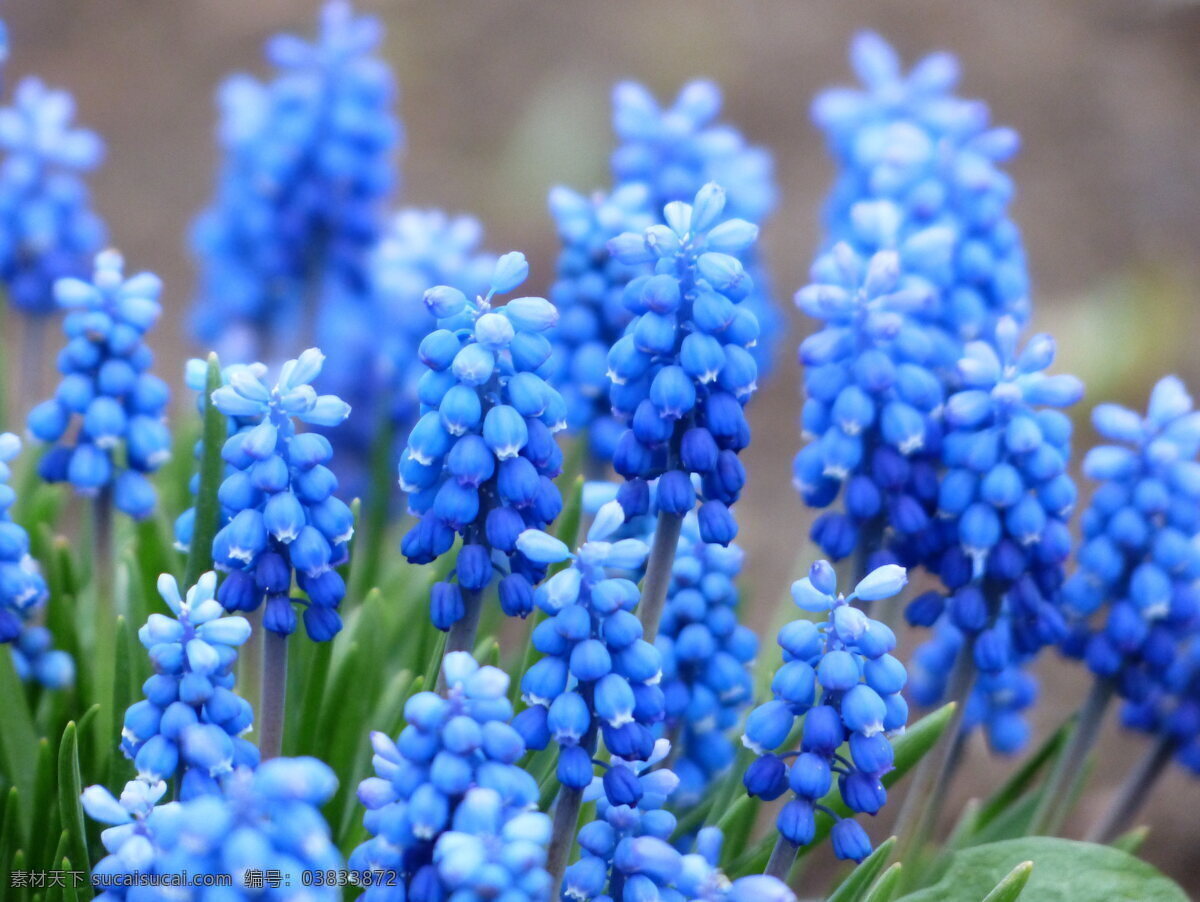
(481, 459)
(1139, 560)
(841, 678)
(279, 491)
(597, 675)
(189, 728)
(706, 655)
(450, 812)
(674, 151)
(871, 418)
(1008, 493)
(262, 821)
(108, 394)
(1169, 709)
(23, 592)
(682, 373)
(48, 229)
(306, 168)
(933, 161)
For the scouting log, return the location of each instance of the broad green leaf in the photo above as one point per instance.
(18, 739)
(1063, 871)
(854, 888)
(1011, 887)
(886, 886)
(69, 789)
(208, 509)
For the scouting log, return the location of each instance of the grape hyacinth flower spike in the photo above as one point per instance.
(107, 392)
(306, 168)
(871, 415)
(48, 229)
(842, 679)
(598, 676)
(262, 820)
(450, 812)
(1133, 600)
(681, 375)
(287, 525)
(188, 729)
(481, 459)
(23, 592)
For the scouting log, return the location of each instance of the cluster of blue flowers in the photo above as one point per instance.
(705, 658)
(188, 729)
(449, 810)
(1008, 494)
(48, 229)
(682, 373)
(931, 159)
(307, 165)
(664, 155)
(265, 820)
(1140, 558)
(282, 515)
(23, 592)
(841, 678)
(598, 676)
(1170, 707)
(481, 459)
(107, 388)
(872, 412)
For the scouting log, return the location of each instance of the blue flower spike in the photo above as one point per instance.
(481, 460)
(48, 229)
(106, 422)
(307, 163)
(840, 678)
(23, 592)
(450, 812)
(284, 520)
(189, 728)
(262, 820)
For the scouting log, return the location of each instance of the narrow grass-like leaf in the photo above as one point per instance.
(1024, 778)
(856, 885)
(69, 789)
(208, 509)
(1131, 840)
(10, 832)
(886, 887)
(18, 739)
(1010, 888)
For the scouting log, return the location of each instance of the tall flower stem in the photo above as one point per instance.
(274, 693)
(102, 558)
(250, 666)
(1132, 794)
(658, 572)
(461, 636)
(566, 814)
(1064, 780)
(783, 856)
(930, 784)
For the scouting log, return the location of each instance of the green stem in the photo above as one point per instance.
(1134, 792)
(461, 636)
(783, 856)
(658, 572)
(274, 693)
(566, 813)
(1062, 784)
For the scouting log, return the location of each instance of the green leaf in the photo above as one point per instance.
(69, 789)
(1008, 889)
(1021, 781)
(208, 509)
(18, 739)
(1063, 871)
(10, 835)
(886, 886)
(855, 886)
(1131, 840)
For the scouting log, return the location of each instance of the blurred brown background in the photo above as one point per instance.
(502, 99)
